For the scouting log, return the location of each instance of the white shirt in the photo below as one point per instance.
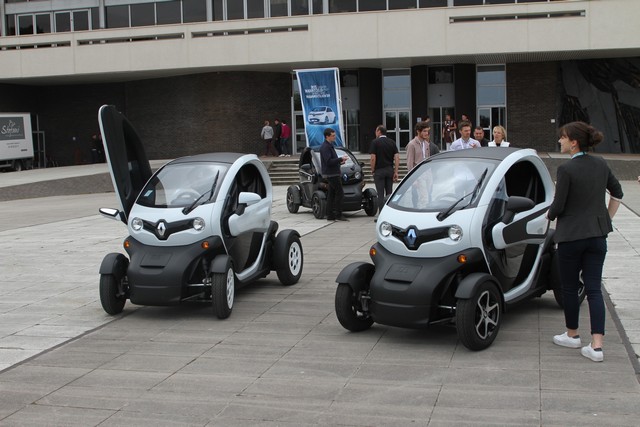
(493, 144)
(461, 144)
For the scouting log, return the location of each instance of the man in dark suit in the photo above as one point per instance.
(385, 161)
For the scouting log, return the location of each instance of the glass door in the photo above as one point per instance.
(438, 117)
(398, 124)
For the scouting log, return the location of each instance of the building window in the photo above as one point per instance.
(235, 10)
(168, 12)
(299, 7)
(397, 89)
(255, 9)
(116, 16)
(25, 24)
(142, 14)
(318, 7)
(194, 10)
(402, 4)
(279, 8)
(369, 5)
(43, 23)
(433, 3)
(491, 96)
(338, 6)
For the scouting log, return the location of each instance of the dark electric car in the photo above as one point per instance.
(311, 192)
(462, 239)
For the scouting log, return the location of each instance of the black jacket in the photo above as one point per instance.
(579, 203)
(329, 160)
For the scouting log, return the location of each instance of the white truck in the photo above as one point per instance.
(16, 141)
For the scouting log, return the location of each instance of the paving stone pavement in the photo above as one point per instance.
(282, 359)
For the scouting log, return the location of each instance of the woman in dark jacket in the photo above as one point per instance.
(581, 231)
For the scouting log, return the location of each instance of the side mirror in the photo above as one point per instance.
(516, 204)
(306, 167)
(112, 214)
(246, 198)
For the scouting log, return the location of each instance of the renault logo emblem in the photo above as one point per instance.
(411, 237)
(162, 228)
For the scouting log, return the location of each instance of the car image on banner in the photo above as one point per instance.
(321, 115)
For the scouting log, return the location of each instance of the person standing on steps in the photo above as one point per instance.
(385, 162)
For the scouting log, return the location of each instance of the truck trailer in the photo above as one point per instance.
(16, 141)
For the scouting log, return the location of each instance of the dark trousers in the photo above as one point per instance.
(586, 255)
(383, 179)
(268, 149)
(284, 146)
(335, 196)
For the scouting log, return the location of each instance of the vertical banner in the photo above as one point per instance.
(321, 104)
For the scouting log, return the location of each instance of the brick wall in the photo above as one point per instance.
(175, 116)
(532, 99)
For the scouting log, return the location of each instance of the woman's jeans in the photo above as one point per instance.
(586, 255)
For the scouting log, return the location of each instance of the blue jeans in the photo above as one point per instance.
(586, 255)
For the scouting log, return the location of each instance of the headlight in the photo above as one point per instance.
(198, 224)
(358, 175)
(136, 224)
(385, 229)
(455, 233)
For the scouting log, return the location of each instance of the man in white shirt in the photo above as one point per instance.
(465, 141)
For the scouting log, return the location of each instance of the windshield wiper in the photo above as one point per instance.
(193, 205)
(444, 214)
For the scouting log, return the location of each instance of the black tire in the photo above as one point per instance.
(288, 248)
(112, 297)
(370, 202)
(223, 292)
(349, 311)
(292, 206)
(318, 206)
(478, 318)
(17, 165)
(556, 284)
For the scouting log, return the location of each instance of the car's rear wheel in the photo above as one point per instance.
(318, 205)
(288, 248)
(370, 201)
(349, 310)
(223, 292)
(292, 206)
(556, 283)
(478, 318)
(112, 296)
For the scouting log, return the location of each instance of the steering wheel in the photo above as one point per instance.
(446, 197)
(186, 196)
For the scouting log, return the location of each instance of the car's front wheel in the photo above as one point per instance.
(288, 248)
(292, 206)
(318, 205)
(370, 201)
(112, 294)
(223, 292)
(349, 310)
(478, 318)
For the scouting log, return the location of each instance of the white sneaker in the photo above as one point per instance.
(595, 354)
(287, 155)
(281, 155)
(566, 341)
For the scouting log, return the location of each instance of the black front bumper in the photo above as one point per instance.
(407, 291)
(159, 275)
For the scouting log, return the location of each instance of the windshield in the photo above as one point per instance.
(436, 185)
(180, 185)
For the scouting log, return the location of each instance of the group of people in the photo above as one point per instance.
(276, 138)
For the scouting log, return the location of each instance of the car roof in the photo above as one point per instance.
(490, 153)
(229, 158)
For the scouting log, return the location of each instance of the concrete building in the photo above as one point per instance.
(202, 75)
